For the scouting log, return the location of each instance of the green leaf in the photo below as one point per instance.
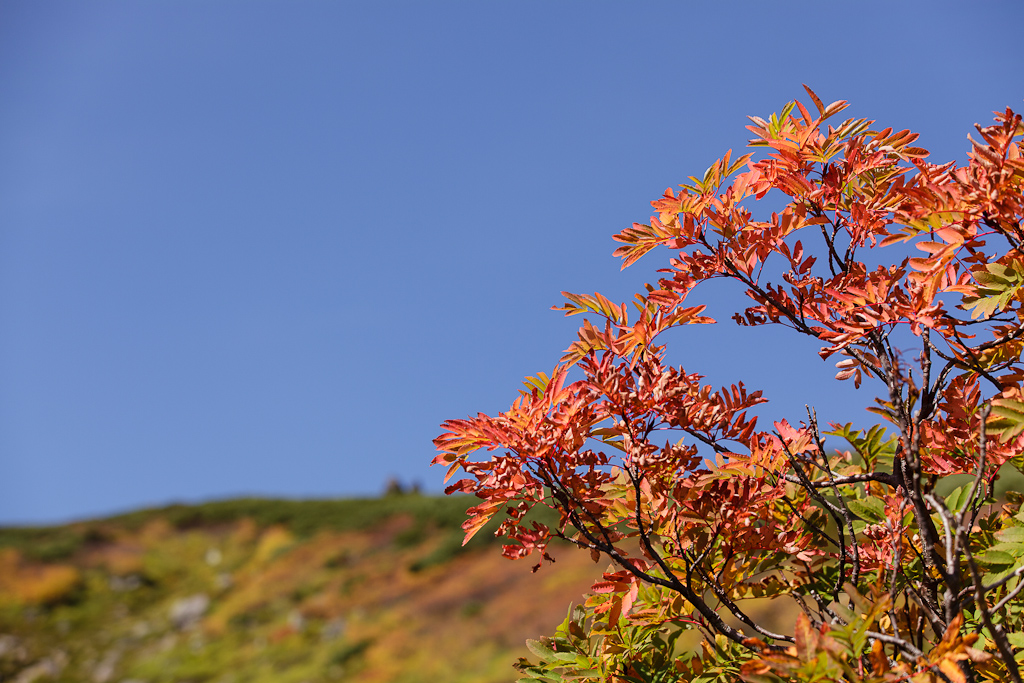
(957, 498)
(1013, 549)
(1017, 462)
(998, 284)
(1006, 419)
(1013, 534)
(540, 382)
(786, 111)
(871, 446)
(870, 510)
(999, 573)
(541, 650)
(995, 558)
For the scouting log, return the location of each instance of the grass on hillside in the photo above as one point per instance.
(282, 591)
(301, 517)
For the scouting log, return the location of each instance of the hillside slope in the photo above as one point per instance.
(285, 591)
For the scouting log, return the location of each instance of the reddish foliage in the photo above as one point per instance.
(618, 453)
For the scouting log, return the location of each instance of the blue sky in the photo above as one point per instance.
(267, 247)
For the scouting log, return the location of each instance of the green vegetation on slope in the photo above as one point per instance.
(302, 517)
(275, 590)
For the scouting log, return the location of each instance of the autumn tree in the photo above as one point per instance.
(699, 507)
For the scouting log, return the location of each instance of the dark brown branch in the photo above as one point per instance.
(964, 524)
(812, 527)
(998, 635)
(898, 642)
(880, 477)
(952, 577)
(712, 583)
(609, 549)
(812, 416)
(838, 516)
(1009, 596)
(644, 535)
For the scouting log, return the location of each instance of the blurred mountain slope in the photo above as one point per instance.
(286, 591)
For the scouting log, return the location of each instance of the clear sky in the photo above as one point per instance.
(267, 247)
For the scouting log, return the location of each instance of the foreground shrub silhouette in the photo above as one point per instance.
(699, 508)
